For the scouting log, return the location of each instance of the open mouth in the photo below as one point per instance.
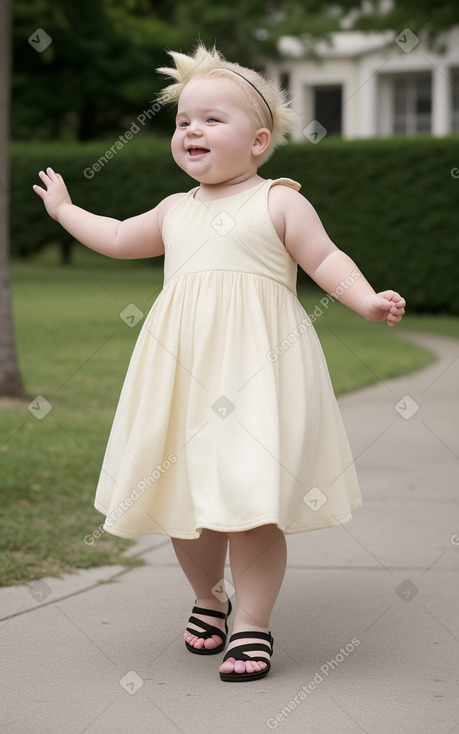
(196, 152)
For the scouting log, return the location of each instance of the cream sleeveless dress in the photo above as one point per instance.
(227, 419)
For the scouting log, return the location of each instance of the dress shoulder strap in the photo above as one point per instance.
(286, 182)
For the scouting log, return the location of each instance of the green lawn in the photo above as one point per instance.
(74, 350)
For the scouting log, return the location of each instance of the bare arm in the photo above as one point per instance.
(137, 237)
(308, 243)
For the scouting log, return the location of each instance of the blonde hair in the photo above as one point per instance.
(266, 102)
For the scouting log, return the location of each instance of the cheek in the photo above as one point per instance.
(176, 145)
(174, 141)
(231, 142)
(240, 138)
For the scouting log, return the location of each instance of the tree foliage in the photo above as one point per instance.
(99, 70)
(430, 16)
(99, 66)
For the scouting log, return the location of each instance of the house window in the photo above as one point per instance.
(328, 105)
(412, 104)
(455, 82)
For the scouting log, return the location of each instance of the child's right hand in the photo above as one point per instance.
(55, 196)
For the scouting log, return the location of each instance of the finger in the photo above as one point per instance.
(398, 299)
(38, 190)
(393, 319)
(44, 177)
(52, 175)
(383, 303)
(395, 298)
(389, 295)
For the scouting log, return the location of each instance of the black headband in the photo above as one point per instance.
(256, 89)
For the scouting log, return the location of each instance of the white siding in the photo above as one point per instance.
(366, 74)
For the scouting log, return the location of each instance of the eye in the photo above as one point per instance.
(212, 119)
(182, 123)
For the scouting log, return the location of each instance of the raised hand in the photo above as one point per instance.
(55, 195)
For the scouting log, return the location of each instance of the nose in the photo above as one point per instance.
(194, 128)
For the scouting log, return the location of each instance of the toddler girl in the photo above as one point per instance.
(227, 430)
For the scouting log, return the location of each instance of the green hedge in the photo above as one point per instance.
(390, 204)
(134, 180)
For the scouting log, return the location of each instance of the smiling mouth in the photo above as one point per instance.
(194, 152)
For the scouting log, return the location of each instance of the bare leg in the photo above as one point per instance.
(203, 562)
(258, 560)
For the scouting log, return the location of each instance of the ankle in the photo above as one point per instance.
(211, 602)
(248, 627)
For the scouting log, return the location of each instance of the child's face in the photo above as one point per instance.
(214, 135)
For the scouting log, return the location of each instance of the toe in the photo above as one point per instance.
(257, 666)
(248, 666)
(227, 666)
(253, 667)
(212, 642)
(231, 665)
(239, 666)
(194, 641)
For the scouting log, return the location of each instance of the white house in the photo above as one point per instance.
(373, 84)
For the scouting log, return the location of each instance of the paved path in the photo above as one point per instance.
(366, 629)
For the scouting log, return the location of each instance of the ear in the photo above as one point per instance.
(261, 141)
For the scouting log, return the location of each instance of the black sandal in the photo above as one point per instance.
(239, 651)
(209, 629)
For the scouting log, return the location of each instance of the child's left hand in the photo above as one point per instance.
(385, 306)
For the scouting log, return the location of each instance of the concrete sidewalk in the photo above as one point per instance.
(366, 628)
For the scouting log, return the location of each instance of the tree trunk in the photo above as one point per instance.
(10, 376)
(66, 252)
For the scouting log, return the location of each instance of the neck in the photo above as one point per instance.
(210, 191)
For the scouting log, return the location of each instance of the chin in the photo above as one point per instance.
(203, 179)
